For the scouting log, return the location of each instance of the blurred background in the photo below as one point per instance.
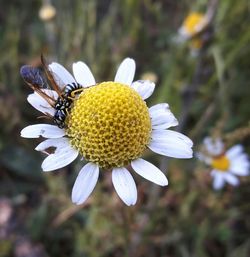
(205, 79)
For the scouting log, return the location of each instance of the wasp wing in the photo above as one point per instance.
(33, 76)
(35, 80)
(54, 80)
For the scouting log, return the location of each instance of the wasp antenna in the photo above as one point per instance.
(50, 77)
(43, 60)
(44, 63)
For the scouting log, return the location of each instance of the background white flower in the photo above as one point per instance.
(227, 165)
(193, 24)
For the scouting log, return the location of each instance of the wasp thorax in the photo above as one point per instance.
(63, 103)
(109, 124)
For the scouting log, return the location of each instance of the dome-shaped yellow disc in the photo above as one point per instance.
(109, 124)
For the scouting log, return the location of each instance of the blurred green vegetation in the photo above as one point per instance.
(208, 92)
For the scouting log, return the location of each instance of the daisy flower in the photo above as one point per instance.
(110, 126)
(193, 24)
(47, 12)
(226, 165)
(191, 29)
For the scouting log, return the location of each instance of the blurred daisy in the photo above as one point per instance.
(191, 29)
(47, 12)
(110, 126)
(193, 24)
(150, 76)
(226, 165)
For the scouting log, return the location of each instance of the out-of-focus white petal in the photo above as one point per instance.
(234, 151)
(62, 156)
(200, 156)
(183, 33)
(61, 76)
(171, 143)
(240, 165)
(149, 172)
(240, 170)
(201, 25)
(214, 146)
(124, 185)
(231, 179)
(218, 181)
(85, 183)
(44, 130)
(162, 117)
(240, 158)
(83, 74)
(144, 88)
(126, 72)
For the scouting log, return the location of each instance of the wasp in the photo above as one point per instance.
(64, 103)
(37, 81)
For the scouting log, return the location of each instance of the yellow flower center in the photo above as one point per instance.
(192, 21)
(109, 124)
(221, 163)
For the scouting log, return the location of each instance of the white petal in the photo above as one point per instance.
(61, 76)
(214, 146)
(171, 135)
(171, 143)
(183, 33)
(171, 150)
(57, 143)
(40, 104)
(144, 88)
(149, 172)
(240, 170)
(201, 25)
(240, 158)
(240, 165)
(200, 156)
(51, 93)
(44, 130)
(234, 151)
(218, 181)
(124, 185)
(83, 74)
(231, 179)
(85, 183)
(126, 72)
(64, 154)
(162, 117)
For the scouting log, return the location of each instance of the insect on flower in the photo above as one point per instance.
(66, 94)
(109, 125)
